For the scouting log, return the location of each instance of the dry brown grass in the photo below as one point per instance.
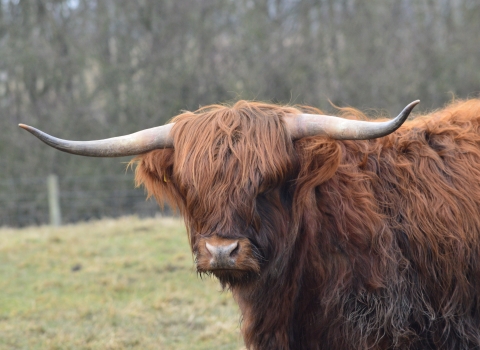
(110, 284)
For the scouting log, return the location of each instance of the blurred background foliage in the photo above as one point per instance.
(88, 69)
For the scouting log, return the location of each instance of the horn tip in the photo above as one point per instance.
(410, 107)
(26, 127)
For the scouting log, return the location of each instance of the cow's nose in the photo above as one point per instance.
(223, 256)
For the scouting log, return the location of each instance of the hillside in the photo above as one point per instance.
(110, 284)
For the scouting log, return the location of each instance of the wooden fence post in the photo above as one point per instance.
(54, 200)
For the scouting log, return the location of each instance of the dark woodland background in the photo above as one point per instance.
(89, 69)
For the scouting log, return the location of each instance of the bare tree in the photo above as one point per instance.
(97, 68)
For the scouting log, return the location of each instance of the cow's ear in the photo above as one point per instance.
(154, 171)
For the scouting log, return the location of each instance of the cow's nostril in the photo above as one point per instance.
(211, 248)
(235, 250)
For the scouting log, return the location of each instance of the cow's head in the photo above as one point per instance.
(231, 172)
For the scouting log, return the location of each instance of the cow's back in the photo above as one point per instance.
(398, 231)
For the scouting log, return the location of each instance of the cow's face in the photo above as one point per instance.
(232, 220)
(230, 174)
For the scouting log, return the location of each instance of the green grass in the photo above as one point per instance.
(110, 284)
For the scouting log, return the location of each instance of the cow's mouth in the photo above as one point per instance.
(236, 278)
(224, 272)
(230, 277)
(231, 272)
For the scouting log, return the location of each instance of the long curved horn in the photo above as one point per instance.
(127, 145)
(303, 125)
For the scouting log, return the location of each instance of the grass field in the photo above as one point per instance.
(110, 284)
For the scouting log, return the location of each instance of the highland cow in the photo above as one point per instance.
(331, 233)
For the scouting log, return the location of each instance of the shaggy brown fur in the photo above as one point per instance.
(360, 244)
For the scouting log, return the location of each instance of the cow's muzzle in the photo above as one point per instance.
(223, 255)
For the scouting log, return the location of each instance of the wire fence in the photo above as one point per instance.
(25, 201)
